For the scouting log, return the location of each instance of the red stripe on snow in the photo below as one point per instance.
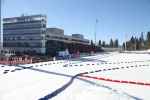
(117, 81)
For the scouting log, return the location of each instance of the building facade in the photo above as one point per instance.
(1, 42)
(25, 33)
(57, 34)
(30, 33)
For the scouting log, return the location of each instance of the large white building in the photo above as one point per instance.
(25, 33)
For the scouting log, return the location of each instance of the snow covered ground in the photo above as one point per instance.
(41, 79)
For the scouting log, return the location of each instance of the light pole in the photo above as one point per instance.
(96, 29)
(125, 41)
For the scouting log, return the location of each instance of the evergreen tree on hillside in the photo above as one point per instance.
(142, 41)
(116, 43)
(92, 43)
(140, 44)
(128, 47)
(132, 42)
(99, 44)
(111, 43)
(148, 39)
(123, 46)
(103, 44)
(137, 44)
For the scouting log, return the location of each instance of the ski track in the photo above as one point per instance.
(38, 81)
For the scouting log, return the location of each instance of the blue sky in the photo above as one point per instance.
(115, 17)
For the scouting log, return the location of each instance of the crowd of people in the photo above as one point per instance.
(53, 47)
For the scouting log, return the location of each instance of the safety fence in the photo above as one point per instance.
(111, 80)
(75, 56)
(34, 60)
(44, 59)
(15, 62)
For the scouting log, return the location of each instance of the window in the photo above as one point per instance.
(56, 37)
(52, 37)
(43, 44)
(60, 38)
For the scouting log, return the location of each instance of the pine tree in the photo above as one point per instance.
(140, 44)
(148, 39)
(142, 41)
(103, 44)
(123, 46)
(137, 44)
(132, 42)
(92, 43)
(128, 46)
(111, 43)
(116, 43)
(99, 44)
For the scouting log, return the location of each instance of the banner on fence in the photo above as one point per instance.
(15, 62)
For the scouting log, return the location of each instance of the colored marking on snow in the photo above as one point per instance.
(109, 80)
(132, 82)
(87, 76)
(95, 77)
(124, 82)
(117, 81)
(101, 78)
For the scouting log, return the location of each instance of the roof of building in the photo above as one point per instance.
(24, 16)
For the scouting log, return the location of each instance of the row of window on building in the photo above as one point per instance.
(25, 44)
(24, 32)
(8, 27)
(63, 38)
(25, 38)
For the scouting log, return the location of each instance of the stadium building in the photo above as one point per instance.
(25, 33)
(30, 33)
(58, 35)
